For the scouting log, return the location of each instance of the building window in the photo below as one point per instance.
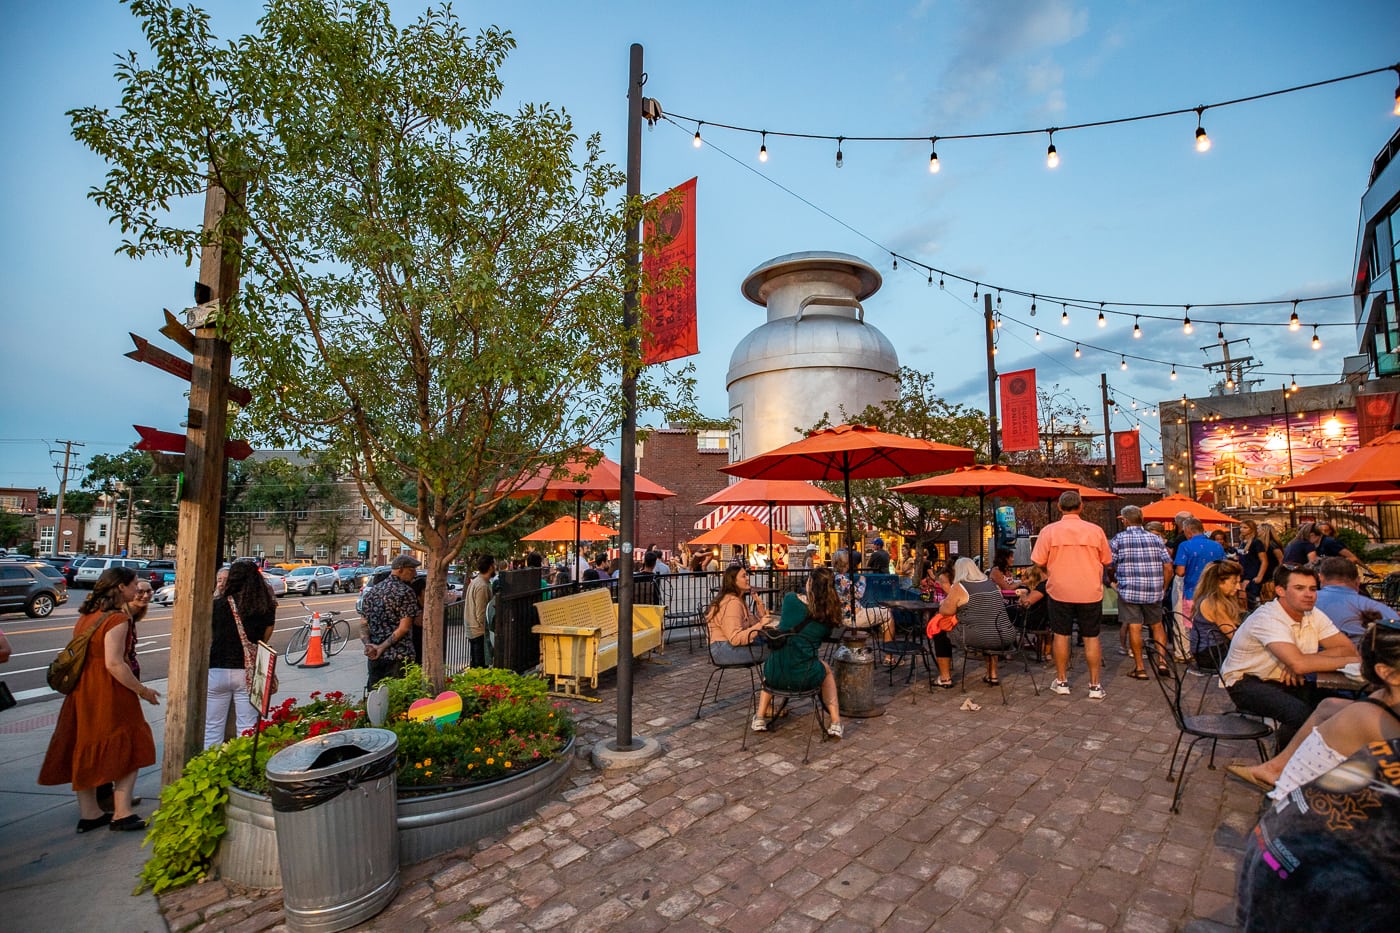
(364, 513)
(46, 540)
(258, 551)
(102, 529)
(345, 550)
(12, 503)
(260, 516)
(279, 551)
(301, 514)
(322, 552)
(388, 511)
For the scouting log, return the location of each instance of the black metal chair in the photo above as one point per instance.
(685, 611)
(1002, 653)
(781, 699)
(755, 660)
(1213, 727)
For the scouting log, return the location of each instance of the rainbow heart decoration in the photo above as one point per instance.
(446, 707)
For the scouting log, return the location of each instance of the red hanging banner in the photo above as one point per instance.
(668, 314)
(1375, 415)
(1019, 427)
(1127, 459)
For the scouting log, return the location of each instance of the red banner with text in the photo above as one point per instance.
(1019, 427)
(1375, 415)
(668, 307)
(1127, 459)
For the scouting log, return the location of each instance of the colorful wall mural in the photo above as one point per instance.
(1239, 462)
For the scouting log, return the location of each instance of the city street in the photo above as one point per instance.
(34, 642)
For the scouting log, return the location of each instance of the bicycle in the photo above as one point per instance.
(335, 634)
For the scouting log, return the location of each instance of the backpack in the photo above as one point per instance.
(67, 668)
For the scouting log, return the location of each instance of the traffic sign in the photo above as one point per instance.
(158, 441)
(145, 352)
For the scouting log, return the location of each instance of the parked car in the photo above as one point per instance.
(70, 565)
(92, 568)
(349, 578)
(32, 587)
(276, 581)
(159, 572)
(295, 562)
(164, 596)
(312, 580)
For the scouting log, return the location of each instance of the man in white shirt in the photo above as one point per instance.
(1277, 650)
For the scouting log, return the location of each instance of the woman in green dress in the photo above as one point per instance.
(795, 666)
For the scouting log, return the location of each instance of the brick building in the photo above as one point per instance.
(687, 463)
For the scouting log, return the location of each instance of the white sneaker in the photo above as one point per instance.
(1097, 692)
(759, 724)
(835, 730)
(1060, 686)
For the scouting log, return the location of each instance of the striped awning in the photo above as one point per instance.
(724, 513)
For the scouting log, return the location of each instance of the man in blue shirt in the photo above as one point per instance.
(1141, 568)
(1192, 555)
(1341, 600)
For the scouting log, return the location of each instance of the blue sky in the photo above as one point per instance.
(1133, 213)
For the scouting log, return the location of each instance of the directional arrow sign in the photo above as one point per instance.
(178, 332)
(145, 352)
(157, 441)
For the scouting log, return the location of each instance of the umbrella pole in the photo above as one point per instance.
(981, 528)
(772, 564)
(852, 561)
(575, 573)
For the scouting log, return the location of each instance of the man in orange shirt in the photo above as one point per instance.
(1073, 553)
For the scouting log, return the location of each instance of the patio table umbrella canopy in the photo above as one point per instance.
(602, 482)
(852, 451)
(1165, 509)
(770, 492)
(566, 528)
(1372, 468)
(982, 480)
(743, 529)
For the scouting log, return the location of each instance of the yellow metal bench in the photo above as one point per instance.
(578, 637)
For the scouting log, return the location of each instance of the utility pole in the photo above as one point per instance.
(198, 545)
(62, 490)
(130, 501)
(994, 445)
(1107, 434)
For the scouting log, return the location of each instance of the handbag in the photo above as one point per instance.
(250, 653)
(66, 669)
(7, 699)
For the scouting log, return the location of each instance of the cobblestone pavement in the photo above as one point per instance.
(1052, 813)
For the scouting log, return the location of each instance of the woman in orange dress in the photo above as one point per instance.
(102, 735)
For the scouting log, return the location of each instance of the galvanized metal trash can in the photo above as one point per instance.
(333, 806)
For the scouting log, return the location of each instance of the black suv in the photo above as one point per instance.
(31, 587)
(158, 572)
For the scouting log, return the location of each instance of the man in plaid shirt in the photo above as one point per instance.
(1142, 569)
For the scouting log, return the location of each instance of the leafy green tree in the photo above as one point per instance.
(152, 496)
(284, 494)
(335, 511)
(918, 411)
(431, 285)
(15, 530)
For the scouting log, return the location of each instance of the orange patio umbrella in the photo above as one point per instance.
(601, 482)
(982, 480)
(1165, 509)
(566, 528)
(770, 492)
(1372, 468)
(852, 451)
(743, 529)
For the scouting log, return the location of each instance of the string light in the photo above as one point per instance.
(1316, 341)
(1220, 332)
(1103, 322)
(1064, 314)
(1032, 306)
(763, 148)
(1294, 386)
(930, 278)
(1186, 327)
(1293, 322)
(839, 158)
(697, 141)
(975, 287)
(933, 165)
(1173, 372)
(1202, 140)
(1397, 91)
(1052, 158)
(1037, 333)
(940, 282)
(1137, 330)
(1077, 354)
(895, 266)
(1122, 362)
(998, 299)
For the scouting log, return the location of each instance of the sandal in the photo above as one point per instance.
(991, 681)
(1138, 674)
(1162, 669)
(945, 682)
(1244, 776)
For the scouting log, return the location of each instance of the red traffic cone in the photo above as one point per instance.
(314, 656)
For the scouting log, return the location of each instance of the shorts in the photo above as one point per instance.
(1064, 616)
(1139, 613)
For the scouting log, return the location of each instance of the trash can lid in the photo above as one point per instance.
(330, 754)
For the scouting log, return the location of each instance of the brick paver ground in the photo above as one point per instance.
(1052, 813)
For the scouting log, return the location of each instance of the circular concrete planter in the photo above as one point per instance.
(427, 825)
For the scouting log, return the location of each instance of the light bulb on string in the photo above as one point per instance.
(1316, 341)
(933, 165)
(1294, 386)
(1037, 333)
(1077, 354)
(839, 159)
(1052, 158)
(940, 281)
(1173, 372)
(1186, 327)
(1064, 314)
(1397, 91)
(1293, 322)
(895, 265)
(998, 299)
(697, 141)
(1137, 329)
(763, 148)
(1122, 362)
(1103, 322)
(1202, 140)
(930, 278)
(975, 287)
(1220, 332)
(1032, 306)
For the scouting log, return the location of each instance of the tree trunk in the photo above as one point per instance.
(434, 633)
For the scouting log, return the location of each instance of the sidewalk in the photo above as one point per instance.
(51, 878)
(1051, 813)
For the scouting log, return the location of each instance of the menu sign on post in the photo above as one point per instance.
(1019, 427)
(668, 304)
(1127, 458)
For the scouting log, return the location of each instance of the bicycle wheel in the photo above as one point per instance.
(296, 647)
(334, 636)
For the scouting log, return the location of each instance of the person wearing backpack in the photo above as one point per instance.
(101, 734)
